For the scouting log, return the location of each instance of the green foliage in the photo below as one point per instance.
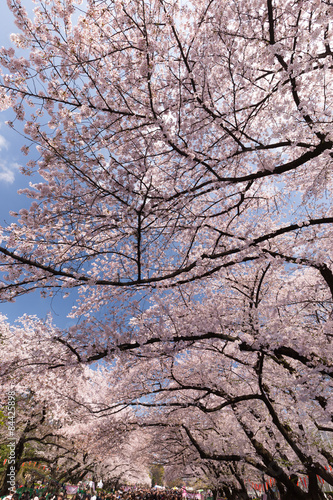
(4, 452)
(156, 474)
(2, 418)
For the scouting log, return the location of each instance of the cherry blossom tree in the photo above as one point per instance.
(185, 156)
(248, 364)
(174, 140)
(256, 373)
(41, 450)
(61, 415)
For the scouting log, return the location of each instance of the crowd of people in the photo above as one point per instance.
(129, 494)
(134, 494)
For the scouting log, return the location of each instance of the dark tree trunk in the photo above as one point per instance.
(19, 449)
(315, 492)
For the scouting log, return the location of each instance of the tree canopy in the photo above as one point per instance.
(184, 190)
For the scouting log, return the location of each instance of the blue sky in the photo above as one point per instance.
(11, 180)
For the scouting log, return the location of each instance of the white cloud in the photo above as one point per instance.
(7, 171)
(3, 143)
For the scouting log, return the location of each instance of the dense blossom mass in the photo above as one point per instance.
(183, 187)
